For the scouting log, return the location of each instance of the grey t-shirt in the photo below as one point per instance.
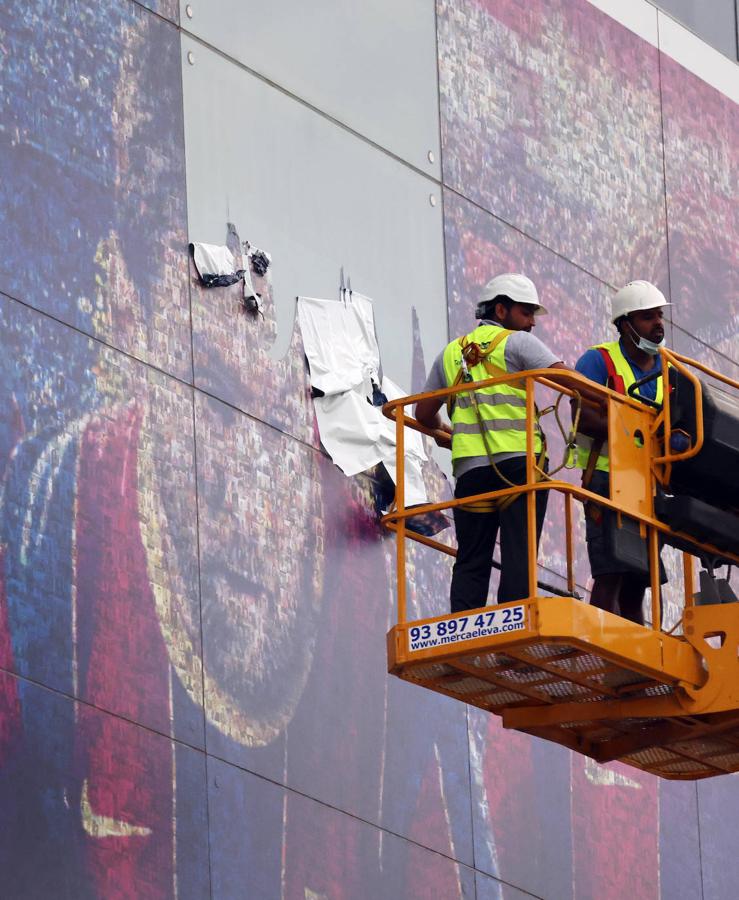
(522, 351)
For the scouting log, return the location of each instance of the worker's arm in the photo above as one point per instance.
(427, 410)
(593, 422)
(427, 413)
(593, 419)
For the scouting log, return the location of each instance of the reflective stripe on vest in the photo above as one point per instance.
(624, 371)
(502, 407)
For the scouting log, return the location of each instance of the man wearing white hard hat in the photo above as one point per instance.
(637, 311)
(488, 437)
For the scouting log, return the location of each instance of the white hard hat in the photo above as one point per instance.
(634, 296)
(517, 287)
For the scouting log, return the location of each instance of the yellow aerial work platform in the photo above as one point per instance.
(560, 669)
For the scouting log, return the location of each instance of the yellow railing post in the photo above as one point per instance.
(688, 580)
(654, 577)
(530, 495)
(400, 504)
(569, 548)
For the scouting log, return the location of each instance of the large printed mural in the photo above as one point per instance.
(193, 599)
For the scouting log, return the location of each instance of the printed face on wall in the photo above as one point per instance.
(261, 541)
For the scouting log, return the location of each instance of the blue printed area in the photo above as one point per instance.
(38, 532)
(47, 387)
(57, 164)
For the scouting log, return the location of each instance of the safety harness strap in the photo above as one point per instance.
(615, 381)
(472, 355)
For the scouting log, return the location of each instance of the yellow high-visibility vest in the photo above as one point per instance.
(502, 407)
(624, 379)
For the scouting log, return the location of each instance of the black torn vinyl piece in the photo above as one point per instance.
(260, 262)
(216, 267)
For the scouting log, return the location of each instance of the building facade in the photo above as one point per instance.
(193, 600)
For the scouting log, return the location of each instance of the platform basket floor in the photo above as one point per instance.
(546, 673)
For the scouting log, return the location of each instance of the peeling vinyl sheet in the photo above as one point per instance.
(344, 360)
(340, 343)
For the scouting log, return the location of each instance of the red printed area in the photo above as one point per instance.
(615, 831)
(510, 802)
(126, 772)
(424, 879)
(326, 853)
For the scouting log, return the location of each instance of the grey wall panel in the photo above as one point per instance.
(702, 172)
(679, 842)
(372, 66)
(551, 120)
(270, 842)
(316, 198)
(92, 191)
(714, 23)
(88, 803)
(100, 559)
(718, 820)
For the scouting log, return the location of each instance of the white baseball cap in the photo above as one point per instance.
(518, 287)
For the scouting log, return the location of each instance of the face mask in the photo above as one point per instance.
(643, 344)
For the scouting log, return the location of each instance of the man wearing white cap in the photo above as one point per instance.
(637, 311)
(488, 437)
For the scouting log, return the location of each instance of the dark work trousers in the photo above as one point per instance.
(477, 531)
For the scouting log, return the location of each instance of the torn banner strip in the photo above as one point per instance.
(344, 359)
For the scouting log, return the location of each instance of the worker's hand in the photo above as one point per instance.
(443, 437)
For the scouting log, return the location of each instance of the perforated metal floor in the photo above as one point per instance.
(542, 672)
(524, 672)
(545, 673)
